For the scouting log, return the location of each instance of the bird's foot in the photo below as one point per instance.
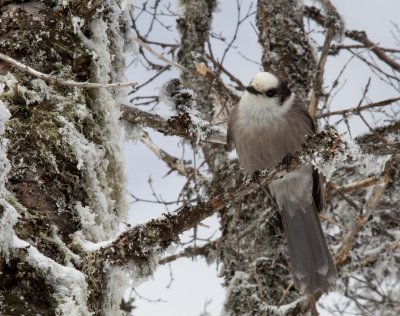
(286, 161)
(255, 176)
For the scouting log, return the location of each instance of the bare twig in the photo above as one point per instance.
(358, 36)
(330, 220)
(349, 201)
(219, 66)
(70, 83)
(191, 252)
(161, 56)
(174, 163)
(355, 110)
(319, 78)
(348, 241)
(356, 185)
(150, 79)
(335, 48)
(361, 37)
(285, 293)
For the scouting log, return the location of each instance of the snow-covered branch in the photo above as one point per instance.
(141, 242)
(170, 126)
(187, 122)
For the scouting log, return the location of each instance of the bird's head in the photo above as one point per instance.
(267, 85)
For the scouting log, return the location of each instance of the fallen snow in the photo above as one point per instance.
(7, 221)
(71, 289)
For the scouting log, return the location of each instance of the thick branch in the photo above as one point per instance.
(141, 241)
(171, 126)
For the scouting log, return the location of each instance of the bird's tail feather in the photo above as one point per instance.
(312, 265)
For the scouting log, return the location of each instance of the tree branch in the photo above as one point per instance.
(319, 77)
(70, 83)
(359, 36)
(348, 241)
(358, 109)
(139, 243)
(190, 252)
(172, 126)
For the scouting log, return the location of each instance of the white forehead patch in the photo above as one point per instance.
(263, 81)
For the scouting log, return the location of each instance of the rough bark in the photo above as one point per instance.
(65, 173)
(286, 49)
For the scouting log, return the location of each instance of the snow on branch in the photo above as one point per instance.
(187, 123)
(63, 82)
(143, 242)
(170, 126)
(350, 238)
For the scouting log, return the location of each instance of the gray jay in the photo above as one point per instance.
(267, 125)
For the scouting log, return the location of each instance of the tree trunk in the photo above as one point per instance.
(64, 186)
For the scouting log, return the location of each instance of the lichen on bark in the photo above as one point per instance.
(286, 49)
(66, 170)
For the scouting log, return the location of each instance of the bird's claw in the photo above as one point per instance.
(255, 176)
(286, 161)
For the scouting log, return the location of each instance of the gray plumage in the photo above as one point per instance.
(268, 123)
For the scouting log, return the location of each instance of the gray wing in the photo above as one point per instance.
(230, 143)
(300, 110)
(318, 193)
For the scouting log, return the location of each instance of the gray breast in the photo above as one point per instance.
(264, 147)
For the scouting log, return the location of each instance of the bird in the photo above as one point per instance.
(266, 127)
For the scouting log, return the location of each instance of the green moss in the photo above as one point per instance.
(47, 123)
(94, 277)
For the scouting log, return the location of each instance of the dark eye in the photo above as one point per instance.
(271, 93)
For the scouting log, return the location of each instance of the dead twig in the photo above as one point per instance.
(56, 80)
(359, 36)
(348, 241)
(161, 56)
(355, 110)
(285, 293)
(319, 77)
(356, 185)
(174, 163)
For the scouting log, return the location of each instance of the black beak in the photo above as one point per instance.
(252, 90)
